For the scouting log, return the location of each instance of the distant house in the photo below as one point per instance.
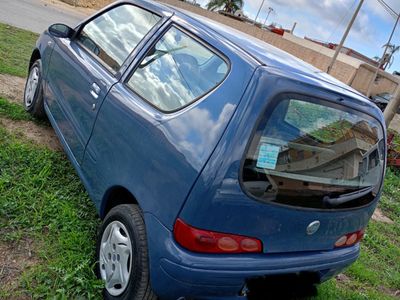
(349, 157)
(345, 50)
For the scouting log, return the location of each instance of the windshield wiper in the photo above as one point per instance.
(347, 197)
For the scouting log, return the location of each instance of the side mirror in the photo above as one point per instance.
(61, 31)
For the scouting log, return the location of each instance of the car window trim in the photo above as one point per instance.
(197, 39)
(112, 72)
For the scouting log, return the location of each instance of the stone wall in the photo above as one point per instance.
(384, 83)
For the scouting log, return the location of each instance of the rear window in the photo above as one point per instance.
(312, 153)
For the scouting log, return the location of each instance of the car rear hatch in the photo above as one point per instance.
(311, 172)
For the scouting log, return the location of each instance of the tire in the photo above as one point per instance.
(33, 93)
(122, 247)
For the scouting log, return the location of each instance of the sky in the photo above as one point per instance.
(326, 20)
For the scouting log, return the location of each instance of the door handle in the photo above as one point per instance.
(95, 90)
(94, 95)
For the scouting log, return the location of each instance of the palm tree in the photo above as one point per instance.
(388, 59)
(229, 6)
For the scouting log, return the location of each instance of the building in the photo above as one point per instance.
(347, 51)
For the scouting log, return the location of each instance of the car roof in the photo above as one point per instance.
(265, 54)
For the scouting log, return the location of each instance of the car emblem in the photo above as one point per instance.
(313, 227)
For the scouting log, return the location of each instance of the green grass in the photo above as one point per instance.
(42, 199)
(376, 274)
(13, 111)
(16, 47)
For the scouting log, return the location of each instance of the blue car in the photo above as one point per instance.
(218, 163)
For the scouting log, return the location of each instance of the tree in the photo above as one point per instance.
(388, 59)
(229, 6)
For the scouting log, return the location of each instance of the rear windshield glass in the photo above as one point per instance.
(311, 153)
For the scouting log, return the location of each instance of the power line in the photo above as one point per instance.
(388, 6)
(339, 24)
(388, 9)
(342, 20)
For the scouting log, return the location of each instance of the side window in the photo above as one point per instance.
(113, 35)
(176, 71)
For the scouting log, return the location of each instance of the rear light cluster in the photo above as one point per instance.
(205, 241)
(350, 239)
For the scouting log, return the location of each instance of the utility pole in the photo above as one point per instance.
(392, 107)
(270, 9)
(262, 3)
(293, 28)
(338, 48)
(371, 84)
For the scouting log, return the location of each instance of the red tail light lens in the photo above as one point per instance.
(350, 239)
(205, 241)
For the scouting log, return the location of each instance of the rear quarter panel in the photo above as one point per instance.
(217, 202)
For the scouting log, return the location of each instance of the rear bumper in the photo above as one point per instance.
(176, 272)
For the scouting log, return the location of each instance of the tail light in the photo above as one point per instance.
(205, 241)
(350, 239)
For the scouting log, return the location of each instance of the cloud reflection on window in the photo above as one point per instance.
(114, 35)
(177, 71)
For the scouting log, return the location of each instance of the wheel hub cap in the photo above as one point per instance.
(31, 86)
(115, 258)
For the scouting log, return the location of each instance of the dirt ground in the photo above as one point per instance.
(96, 4)
(15, 258)
(39, 134)
(378, 216)
(12, 88)
(83, 6)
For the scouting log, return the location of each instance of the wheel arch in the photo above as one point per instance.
(114, 196)
(34, 57)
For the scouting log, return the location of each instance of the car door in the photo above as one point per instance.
(159, 124)
(83, 69)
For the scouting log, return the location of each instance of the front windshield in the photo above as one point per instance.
(306, 151)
